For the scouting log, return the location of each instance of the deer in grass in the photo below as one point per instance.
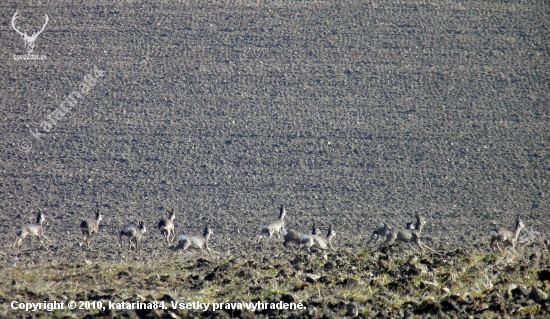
(506, 237)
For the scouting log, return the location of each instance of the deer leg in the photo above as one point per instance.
(372, 237)
(185, 246)
(419, 244)
(493, 241)
(499, 248)
(43, 244)
(210, 250)
(45, 237)
(389, 239)
(514, 249)
(287, 245)
(19, 245)
(426, 246)
(410, 246)
(89, 239)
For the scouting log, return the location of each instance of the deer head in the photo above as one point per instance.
(29, 41)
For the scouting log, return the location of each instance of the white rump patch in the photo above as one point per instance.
(381, 225)
(493, 233)
(304, 237)
(284, 233)
(182, 237)
(388, 232)
(265, 226)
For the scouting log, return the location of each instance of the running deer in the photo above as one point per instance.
(166, 226)
(275, 226)
(31, 230)
(506, 237)
(133, 233)
(380, 232)
(383, 228)
(90, 226)
(402, 235)
(196, 242)
(292, 236)
(319, 242)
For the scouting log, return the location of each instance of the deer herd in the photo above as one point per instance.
(387, 232)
